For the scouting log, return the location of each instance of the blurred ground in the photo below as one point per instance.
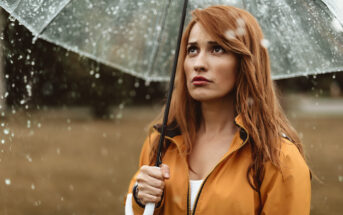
(64, 162)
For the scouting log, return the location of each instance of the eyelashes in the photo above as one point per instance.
(214, 49)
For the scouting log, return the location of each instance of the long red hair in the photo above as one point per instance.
(238, 31)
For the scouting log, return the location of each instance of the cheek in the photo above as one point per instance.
(226, 75)
(187, 69)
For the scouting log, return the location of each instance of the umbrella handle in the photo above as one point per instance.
(149, 209)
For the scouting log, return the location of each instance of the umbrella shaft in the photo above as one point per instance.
(171, 85)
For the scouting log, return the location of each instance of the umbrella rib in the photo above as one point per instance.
(50, 20)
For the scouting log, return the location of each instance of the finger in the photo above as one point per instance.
(155, 172)
(144, 198)
(152, 171)
(165, 171)
(153, 182)
(153, 191)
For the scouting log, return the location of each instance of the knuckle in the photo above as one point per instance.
(161, 185)
(144, 168)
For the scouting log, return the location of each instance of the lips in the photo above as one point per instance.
(200, 80)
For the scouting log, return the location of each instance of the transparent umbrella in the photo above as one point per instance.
(139, 37)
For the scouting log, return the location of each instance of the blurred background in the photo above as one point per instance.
(71, 128)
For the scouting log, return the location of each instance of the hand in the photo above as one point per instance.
(150, 183)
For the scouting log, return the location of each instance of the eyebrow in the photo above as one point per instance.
(209, 42)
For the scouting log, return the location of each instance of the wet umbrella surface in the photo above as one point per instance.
(138, 37)
(77, 91)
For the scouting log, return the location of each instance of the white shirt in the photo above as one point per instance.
(194, 189)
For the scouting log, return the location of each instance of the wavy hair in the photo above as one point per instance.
(238, 31)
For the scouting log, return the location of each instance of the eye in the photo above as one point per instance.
(192, 50)
(218, 49)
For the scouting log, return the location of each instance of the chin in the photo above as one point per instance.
(205, 97)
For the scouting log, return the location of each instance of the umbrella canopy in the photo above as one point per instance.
(139, 37)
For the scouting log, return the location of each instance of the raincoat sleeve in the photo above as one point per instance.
(143, 160)
(287, 192)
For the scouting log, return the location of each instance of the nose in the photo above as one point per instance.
(200, 63)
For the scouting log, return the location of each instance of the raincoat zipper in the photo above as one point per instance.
(189, 210)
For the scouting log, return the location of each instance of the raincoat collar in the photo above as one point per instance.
(174, 130)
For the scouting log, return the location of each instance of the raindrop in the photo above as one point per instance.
(29, 90)
(147, 96)
(136, 84)
(121, 106)
(97, 75)
(119, 115)
(340, 178)
(8, 181)
(29, 158)
(120, 81)
(28, 124)
(265, 43)
(240, 31)
(230, 34)
(91, 72)
(240, 22)
(58, 151)
(2, 141)
(11, 18)
(37, 203)
(33, 187)
(6, 131)
(39, 125)
(333, 76)
(6, 94)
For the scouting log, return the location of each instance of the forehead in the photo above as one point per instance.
(198, 34)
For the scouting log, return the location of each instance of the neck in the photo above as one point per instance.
(218, 115)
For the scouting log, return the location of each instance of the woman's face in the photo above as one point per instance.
(210, 70)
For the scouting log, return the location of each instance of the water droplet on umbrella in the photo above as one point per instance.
(11, 18)
(265, 43)
(337, 25)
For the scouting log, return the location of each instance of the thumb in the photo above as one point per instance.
(165, 171)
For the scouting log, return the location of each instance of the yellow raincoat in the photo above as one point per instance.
(226, 189)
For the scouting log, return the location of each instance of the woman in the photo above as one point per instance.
(229, 147)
